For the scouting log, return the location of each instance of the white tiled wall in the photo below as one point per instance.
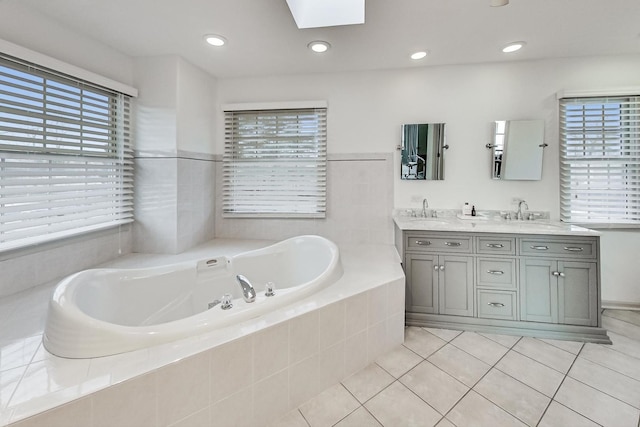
(359, 205)
(252, 380)
(25, 269)
(174, 201)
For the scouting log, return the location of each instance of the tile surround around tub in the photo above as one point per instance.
(24, 269)
(249, 381)
(359, 205)
(173, 200)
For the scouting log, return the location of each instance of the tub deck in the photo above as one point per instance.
(33, 381)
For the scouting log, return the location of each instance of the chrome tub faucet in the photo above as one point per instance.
(248, 293)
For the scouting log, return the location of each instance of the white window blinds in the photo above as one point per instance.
(600, 160)
(66, 161)
(275, 163)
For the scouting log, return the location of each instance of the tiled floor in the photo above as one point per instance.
(451, 378)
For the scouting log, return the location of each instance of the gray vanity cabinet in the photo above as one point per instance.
(439, 283)
(523, 284)
(559, 291)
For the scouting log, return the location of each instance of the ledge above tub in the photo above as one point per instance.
(483, 224)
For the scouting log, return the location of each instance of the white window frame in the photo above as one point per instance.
(600, 159)
(275, 160)
(66, 155)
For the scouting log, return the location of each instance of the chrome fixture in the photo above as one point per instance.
(425, 205)
(248, 293)
(519, 214)
(225, 302)
(269, 289)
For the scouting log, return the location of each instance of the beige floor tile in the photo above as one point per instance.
(624, 345)
(329, 407)
(628, 316)
(558, 415)
(459, 364)
(399, 361)
(519, 400)
(536, 375)
(434, 386)
(445, 334)
(368, 382)
(504, 340)
(546, 354)
(621, 327)
(445, 423)
(604, 379)
(572, 347)
(474, 410)
(612, 359)
(398, 406)
(359, 418)
(595, 405)
(480, 347)
(291, 419)
(422, 342)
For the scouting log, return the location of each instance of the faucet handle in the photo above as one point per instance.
(225, 301)
(269, 289)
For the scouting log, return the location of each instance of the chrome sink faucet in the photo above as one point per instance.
(248, 293)
(519, 214)
(425, 205)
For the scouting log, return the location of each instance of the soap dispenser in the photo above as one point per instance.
(473, 210)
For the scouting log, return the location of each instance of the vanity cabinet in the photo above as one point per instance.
(523, 284)
(439, 280)
(559, 281)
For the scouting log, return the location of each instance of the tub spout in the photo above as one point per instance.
(248, 293)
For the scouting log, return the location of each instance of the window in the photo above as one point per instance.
(66, 163)
(275, 163)
(600, 160)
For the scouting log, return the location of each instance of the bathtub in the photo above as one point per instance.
(102, 312)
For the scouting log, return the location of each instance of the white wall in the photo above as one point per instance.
(367, 109)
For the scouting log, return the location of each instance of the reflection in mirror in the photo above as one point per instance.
(423, 151)
(517, 150)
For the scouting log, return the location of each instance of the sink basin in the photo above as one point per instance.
(540, 226)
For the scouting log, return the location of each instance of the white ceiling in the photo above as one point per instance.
(264, 40)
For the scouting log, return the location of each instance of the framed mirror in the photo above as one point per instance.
(423, 148)
(517, 150)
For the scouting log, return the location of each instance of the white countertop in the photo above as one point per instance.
(481, 224)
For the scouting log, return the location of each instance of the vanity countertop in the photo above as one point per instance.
(490, 225)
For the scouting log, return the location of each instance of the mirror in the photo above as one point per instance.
(517, 150)
(423, 151)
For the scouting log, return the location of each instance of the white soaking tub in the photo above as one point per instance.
(101, 312)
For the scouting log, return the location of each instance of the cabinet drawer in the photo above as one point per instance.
(497, 273)
(431, 243)
(570, 249)
(497, 304)
(496, 245)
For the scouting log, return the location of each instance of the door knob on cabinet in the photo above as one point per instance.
(442, 268)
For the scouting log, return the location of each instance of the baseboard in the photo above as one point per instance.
(619, 305)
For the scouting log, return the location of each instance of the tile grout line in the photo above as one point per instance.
(553, 399)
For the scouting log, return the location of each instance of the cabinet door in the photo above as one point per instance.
(538, 290)
(422, 283)
(577, 293)
(456, 285)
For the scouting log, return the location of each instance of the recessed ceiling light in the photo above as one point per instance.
(319, 46)
(215, 40)
(418, 55)
(496, 3)
(512, 47)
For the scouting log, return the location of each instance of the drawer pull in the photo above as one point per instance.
(495, 245)
(495, 304)
(496, 272)
(452, 243)
(540, 248)
(573, 249)
(423, 242)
